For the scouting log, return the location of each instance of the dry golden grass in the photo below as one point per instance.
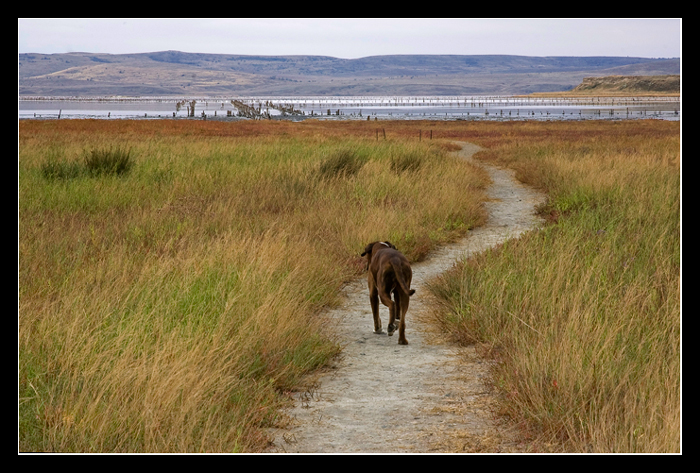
(170, 308)
(584, 315)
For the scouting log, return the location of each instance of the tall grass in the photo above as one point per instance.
(170, 308)
(115, 161)
(583, 316)
(95, 163)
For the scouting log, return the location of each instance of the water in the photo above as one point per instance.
(356, 107)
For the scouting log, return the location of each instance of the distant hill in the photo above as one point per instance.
(666, 84)
(194, 74)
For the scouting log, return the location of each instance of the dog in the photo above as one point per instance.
(389, 273)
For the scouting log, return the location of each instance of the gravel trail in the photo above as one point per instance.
(428, 396)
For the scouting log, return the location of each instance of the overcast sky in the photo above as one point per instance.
(354, 38)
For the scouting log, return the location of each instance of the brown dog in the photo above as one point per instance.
(389, 272)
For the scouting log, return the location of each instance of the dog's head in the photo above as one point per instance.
(370, 248)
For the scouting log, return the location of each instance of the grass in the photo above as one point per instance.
(582, 317)
(171, 308)
(95, 163)
(340, 164)
(116, 161)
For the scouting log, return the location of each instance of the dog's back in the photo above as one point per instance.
(401, 269)
(383, 258)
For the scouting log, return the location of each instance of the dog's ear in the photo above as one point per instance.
(368, 252)
(390, 245)
(368, 249)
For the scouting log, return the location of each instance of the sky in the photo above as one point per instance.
(350, 38)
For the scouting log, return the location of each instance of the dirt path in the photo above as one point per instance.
(429, 396)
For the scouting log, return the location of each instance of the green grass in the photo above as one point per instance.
(170, 308)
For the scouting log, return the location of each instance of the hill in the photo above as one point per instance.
(180, 73)
(666, 84)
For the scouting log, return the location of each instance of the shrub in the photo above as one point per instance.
(341, 163)
(115, 161)
(406, 162)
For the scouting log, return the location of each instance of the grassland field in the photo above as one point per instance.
(170, 304)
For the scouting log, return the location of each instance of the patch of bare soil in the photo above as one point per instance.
(428, 396)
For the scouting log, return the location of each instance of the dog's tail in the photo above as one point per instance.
(399, 277)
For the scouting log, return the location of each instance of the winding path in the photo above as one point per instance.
(429, 396)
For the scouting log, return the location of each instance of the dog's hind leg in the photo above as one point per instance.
(402, 307)
(385, 297)
(394, 314)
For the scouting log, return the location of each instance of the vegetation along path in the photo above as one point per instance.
(428, 396)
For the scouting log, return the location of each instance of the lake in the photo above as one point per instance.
(352, 107)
